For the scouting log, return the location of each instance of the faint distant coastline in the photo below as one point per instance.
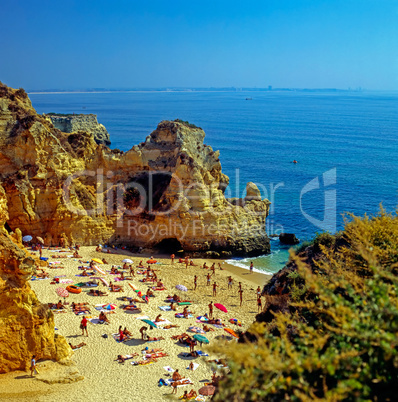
(229, 89)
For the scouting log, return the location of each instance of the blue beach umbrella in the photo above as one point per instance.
(151, 323)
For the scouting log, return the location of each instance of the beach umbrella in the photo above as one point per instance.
(100, 271)
(221, 307)
(207, 390)
(62, 292)
(27, 238)
(181, 287)
(127, 261)
(201, 338)
(109, 306)
(231, 332)
(151, 323)
(202, 318)
(235, 321)
(97, 260)
(196, 330)
(40, 240)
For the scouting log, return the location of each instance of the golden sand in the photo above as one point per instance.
(104, 378)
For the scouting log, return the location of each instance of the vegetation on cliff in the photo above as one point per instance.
(329, 331)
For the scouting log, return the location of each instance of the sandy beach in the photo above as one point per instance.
(107, 379)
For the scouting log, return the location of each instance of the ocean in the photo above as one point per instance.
(345, 145)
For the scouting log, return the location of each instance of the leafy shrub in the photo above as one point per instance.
(186, 123)
(339, 342)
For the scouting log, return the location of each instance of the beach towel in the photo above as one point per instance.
(180, 315)
(195, 366)
(66, 281)
(165, 308)
(162, 323)
(200, 353)
(182, 383)
(97, 321)
(142, 317)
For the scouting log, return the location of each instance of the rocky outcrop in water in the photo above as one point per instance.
(166, 193)
(71, 123)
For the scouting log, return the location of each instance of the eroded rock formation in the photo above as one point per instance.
(81, 122)
(26, 325)
(165, 193)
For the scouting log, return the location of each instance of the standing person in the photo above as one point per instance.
(211, 309)
(251, 267)
(83, 325)
(219, 266)
(259, 304)
(215, 286)
(33, 368)
(213, 268)
(40, 251)
(230, 282)
(186, 262)
(258, 292)
(240, 285)
(132, 273)
(172, 258)
(208, 276)
(195, 280)
(241, 296)
(143, 332)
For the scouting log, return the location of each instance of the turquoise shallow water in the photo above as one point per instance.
(346, 140)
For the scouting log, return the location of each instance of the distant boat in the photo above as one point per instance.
(249, 98)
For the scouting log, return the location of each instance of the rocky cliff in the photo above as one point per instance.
(81, 122)
(26, 325)
(166, 193)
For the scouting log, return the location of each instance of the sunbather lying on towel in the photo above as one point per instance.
(115, 288)
(80, 345)
(122, 358)
(96, 292)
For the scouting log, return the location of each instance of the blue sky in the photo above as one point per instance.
(131, 44)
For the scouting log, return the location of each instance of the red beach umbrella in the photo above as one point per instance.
(221, 307)
(62, 292)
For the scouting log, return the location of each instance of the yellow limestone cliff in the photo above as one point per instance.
(26, 325)
(166, 193)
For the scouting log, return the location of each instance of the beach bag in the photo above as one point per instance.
(81, 326)
(104, 336)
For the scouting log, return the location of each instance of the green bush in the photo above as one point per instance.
(340, 339)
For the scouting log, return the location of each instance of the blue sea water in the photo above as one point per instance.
(345, 144)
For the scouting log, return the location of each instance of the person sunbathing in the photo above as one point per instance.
(151, 339)
(84, 273)
(149, 293)
(176, 298)
(191, 394)
(140, 265)
(80, 345)
(102, 317)
(173, 306)
(192, 264)
(168, 326)
(104, 261)
(60, 305)
(76, 255)
(159, 319)
(207, 329)
(159, 284)
(215, 321)
(177, 376)
(127, 332)
(96, 292)
(115, 288)
(122, 358)
(98, 249)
